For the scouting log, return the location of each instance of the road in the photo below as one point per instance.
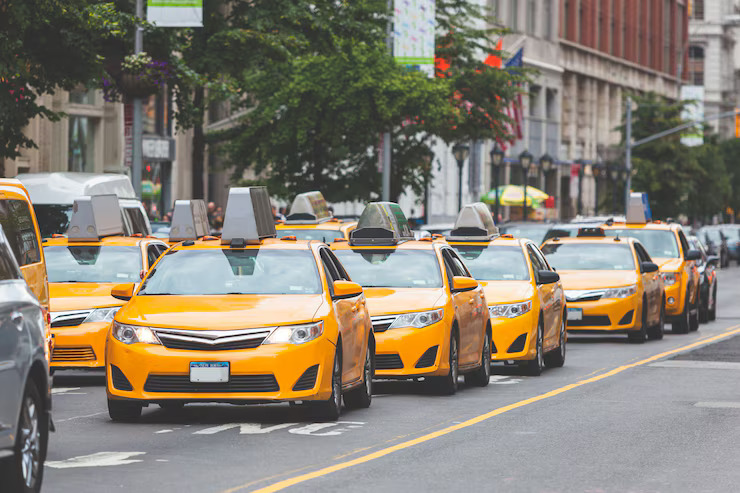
(661, 416)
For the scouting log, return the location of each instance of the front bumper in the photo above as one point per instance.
(606, 314)
(266, 373)
(514, 338)
(82, 346)
(409, 352)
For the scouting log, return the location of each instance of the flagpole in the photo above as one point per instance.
(136, 129)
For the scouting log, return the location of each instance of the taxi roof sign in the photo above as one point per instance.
(381, 223)
(94, 217)
(474, 223)
(189, 220)
(248, 217)
(308, 208)
(638, 209)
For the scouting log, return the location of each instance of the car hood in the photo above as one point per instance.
(386, 301)
(507, 291)
(668, 264)
(65, 296)
(596, 279)
(220, 312)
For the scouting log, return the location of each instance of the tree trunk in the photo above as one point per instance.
(199, 147)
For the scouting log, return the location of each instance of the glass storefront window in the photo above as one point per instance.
(82, 96)
(81, 144)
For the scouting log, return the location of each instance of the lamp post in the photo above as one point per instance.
(597, 171)
(497, 159)
(525, 160)
(428, 157)
(581, 164)
(460, 151)
(614, 175)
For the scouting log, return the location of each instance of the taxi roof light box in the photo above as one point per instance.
(95, 217)
(248, 217)
(474, 223)
(308, 208)
(638, 209)
(189, 220)
(381, 223)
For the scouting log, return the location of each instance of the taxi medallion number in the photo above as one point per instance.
(575, 314)
(209, 371)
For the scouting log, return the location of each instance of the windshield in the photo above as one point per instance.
(658, 243)
(104, 264)
(589, 256)
(534, 232)
(327, 236)
(712, 235)
(495, 263)
(53, 218)
(392, 268)
(220, 272)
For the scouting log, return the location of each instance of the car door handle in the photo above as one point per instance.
(471, 301)
(17, 319)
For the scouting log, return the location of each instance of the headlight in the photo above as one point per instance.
(671, 278)
(102, 314)
(418, 320)
(511, 310)
(295, 334)
(623, 292)
(132, 334)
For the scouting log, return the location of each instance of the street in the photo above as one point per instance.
(661, 416)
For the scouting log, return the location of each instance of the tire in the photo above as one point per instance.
(712, 314)
(481, 376)
(655, 332)
(362, 396)
(704, 309)
(447, 385)
(24, 471)
(124, 411)
(330, 409)
(556, 357)
(694, 318)
(639, 336)
(681, 324)
(534, 367)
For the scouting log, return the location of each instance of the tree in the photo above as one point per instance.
(711, 184)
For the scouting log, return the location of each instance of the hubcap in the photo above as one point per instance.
(368, 373)
(337, 383)
(30, 443)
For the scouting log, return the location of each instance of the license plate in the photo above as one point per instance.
(209, 371)
(575, 314)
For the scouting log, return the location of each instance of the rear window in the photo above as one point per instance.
(15, 218)
(659, 243)
(137, 220)
(494, 263)
(53, 218)
(327, 236)
(103, 264)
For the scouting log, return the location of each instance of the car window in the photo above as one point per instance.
(642, 254)
(494, 263)
(104, 264)
(537, 264)
(455, 267)
(540, 257)
(15, 218)
(53, 218)
(660, 243)
(684, 243)
(327, 236)
(8, 269)
(338, 265)
(589, 256)
(461, 267)
(152, 254)
(137, 220)
(392, 268)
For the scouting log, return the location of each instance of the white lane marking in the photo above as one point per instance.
(704, 365)
(313, 428)
(101, 459)
(162, 460)
(504, 380)
(67, 390)
(244, 428)
(496, 378)
(719, 405)
(163, 431)
(80, 417)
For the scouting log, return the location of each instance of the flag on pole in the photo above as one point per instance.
(175, 13)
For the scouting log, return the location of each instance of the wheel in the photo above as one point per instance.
(362, 396)
(704, 309)
(482, 375)
(681, 324)
(655, 332)
(447, 385)
(24, 471)
(712, 315)
(556, 357)
(694, 315)
(535, 366)
(330, 409)
(639, 336)
(124, 410)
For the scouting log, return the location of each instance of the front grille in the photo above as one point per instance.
(236, 384)
(518, 345)
(69, 318)
(428, 358)
(627, 318)
(382, 322)
(388, 361)
(67, 322)
(212, 340)
(584, 295)
(591, 321)
(72, 353)
(308, 379)
(119, 380)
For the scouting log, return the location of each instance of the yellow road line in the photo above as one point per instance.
(472, 421)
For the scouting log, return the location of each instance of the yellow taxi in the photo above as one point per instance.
(429, 315)
(611, 284)
(310, 219)
(668, 246)
(245, 318)
(525, 296)
(189, 221)
(82, 269)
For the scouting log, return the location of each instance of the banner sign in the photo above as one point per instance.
(413, 34)
(694, 110)
(175, 13)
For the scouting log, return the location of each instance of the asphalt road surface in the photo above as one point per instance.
(661, 416)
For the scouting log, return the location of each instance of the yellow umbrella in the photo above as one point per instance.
(513, 195)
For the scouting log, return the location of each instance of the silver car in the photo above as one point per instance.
(25, 387)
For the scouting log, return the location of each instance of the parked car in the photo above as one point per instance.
(707, 281)
(716, 243)
(732, 234)
(24, 380)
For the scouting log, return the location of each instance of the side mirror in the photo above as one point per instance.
(693, 255)
(547, 277)
(460, 284)
(346, 289)
(648, 267)
(123, 292)
(713, 260)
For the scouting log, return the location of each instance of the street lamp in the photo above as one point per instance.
(581, 165)
(614, 175)
(460, 151)
(497, 159)
(525, 160)
(597, 171)
(427, 157)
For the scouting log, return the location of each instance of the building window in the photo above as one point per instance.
(697, 11)
(599, 41)
(532, 17)
(613, 27)
(534, 101)
(566, 19)
(81, 144)
(514, 14)
(623, 41)
(495, 9)
(696, 65)
(678, 42)
(667, 36)
(580, 23)
(547, 18)
(82, 96)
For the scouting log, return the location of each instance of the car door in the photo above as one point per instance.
(464, 303)
(555, 301)
(651, 285)
(691, 271)
(546, 295)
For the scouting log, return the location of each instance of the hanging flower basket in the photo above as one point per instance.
(136, 86)
(137, 76)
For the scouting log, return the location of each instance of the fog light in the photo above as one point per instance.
(671, 300)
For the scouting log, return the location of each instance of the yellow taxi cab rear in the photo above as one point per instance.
(525, 297)
(429, 316)
(245, 318)
(310, 219)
